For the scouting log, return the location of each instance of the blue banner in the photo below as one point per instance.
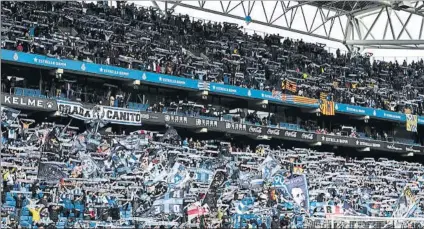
(173, 81)
(373, 113)
(98, 69)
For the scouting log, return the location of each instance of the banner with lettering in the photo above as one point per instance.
(28, 103)
(118, 115)
(75, 110)
(411, 122)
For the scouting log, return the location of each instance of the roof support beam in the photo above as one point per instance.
(419, 7)
(313, 20)
(292, 17)
(156, 5)
(341, 27)
(358, 28)
(228, 11)
(266, 16)
(304, 18)
(373, 23)
(348, 33)
(403, 25)
(273, 11)
(331, 27)
(354, 30)
(260, 22)
(394, 47)
(366, 27)
(389, 19)
(385, 42)
(176, 4)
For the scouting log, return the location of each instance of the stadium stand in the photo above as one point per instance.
(139, 38)
(73, 154)
(55, 177)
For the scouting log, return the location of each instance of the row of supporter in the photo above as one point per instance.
(139, 38)
(57, 176)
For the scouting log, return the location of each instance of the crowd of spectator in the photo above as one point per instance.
(146, 39)
(57, 176)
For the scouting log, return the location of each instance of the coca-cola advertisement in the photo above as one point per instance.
(291, 134)
(307, 136)
(275, 132)
(257, 130)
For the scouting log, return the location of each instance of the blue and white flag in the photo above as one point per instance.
(177, 175)
(244, 205)
(172, 203)
(8, 115)
(269, 167)
(406, 204)
(278, 179)
(203, 175)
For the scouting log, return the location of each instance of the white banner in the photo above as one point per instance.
(108, 114)
(120, 115)
(75, 110)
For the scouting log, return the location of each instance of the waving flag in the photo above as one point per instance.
(51, 171)
(301, 99)
(323, 96)
(196, 210)
(172, 203)
(8, 115)
(327, 107)
(269, 167)
(406, 204)
(411, 122)
(291, 86)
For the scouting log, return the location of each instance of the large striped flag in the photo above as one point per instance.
(291, 86)
(276, 94)
(283, 97)
(323, 96)
(301, 99)
(327, 107)
(287, 98)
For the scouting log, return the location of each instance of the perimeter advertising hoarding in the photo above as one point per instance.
(28, 103)
(294, 135)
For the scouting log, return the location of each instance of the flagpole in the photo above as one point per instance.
(97, 127)
(69, 123)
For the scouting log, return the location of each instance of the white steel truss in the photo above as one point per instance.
(370, 24)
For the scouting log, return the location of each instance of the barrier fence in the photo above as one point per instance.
(363, 222)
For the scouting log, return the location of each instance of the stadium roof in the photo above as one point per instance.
(370, 24)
